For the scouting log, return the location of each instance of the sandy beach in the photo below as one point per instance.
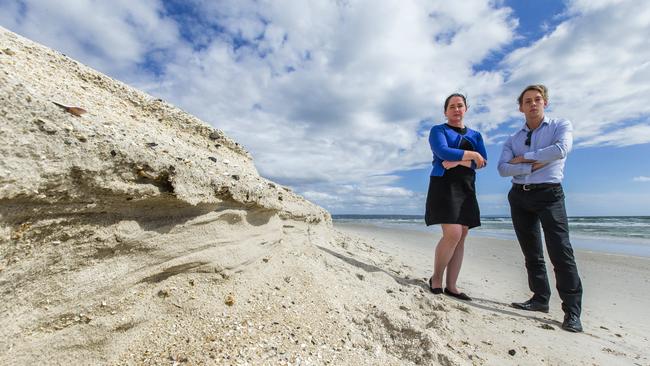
(615, 302)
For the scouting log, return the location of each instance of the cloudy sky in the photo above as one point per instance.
(335, 98)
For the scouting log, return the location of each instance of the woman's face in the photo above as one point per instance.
(455, 110)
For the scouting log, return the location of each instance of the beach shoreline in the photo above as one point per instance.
(616, 295)
(631, 246)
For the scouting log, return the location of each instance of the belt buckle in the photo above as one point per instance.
(526, 187)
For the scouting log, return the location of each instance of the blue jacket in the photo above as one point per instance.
(445, 143)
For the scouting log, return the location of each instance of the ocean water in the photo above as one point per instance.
(611, 234)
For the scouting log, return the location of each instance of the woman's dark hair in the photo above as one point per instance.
(455, 95)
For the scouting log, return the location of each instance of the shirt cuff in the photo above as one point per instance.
(530, 155)
(524, 169)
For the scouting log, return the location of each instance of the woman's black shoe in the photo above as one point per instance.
(462, 295)
(435, 290)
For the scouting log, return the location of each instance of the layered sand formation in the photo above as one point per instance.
(133, 233)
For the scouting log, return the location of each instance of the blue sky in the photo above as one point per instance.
(335, 98)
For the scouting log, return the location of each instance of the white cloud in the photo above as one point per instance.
(329, 96)
(641, 179)
(579, 6)
(596, 66)
(113, 37)
(623, 136)
(362, 76)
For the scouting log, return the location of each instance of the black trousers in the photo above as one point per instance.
(545, 205)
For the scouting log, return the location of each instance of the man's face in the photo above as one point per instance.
(532, 105)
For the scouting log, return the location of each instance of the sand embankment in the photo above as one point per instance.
(133, 233)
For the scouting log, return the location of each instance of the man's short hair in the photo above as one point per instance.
(538, 87)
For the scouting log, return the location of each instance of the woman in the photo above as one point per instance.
(451, 200)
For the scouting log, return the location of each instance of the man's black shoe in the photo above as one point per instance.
(531, 305)
(572, 323)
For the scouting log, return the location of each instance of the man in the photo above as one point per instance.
(534, 157)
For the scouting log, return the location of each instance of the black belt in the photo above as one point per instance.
(530, 187)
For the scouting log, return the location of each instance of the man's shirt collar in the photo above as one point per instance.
(544, 122)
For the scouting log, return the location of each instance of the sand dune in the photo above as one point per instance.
(134, 233)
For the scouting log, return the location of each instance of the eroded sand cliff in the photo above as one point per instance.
(133, 233)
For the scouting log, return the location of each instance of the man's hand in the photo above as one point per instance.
(538, 166)
(520, 160)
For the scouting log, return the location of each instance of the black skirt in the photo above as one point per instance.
(452, 199)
